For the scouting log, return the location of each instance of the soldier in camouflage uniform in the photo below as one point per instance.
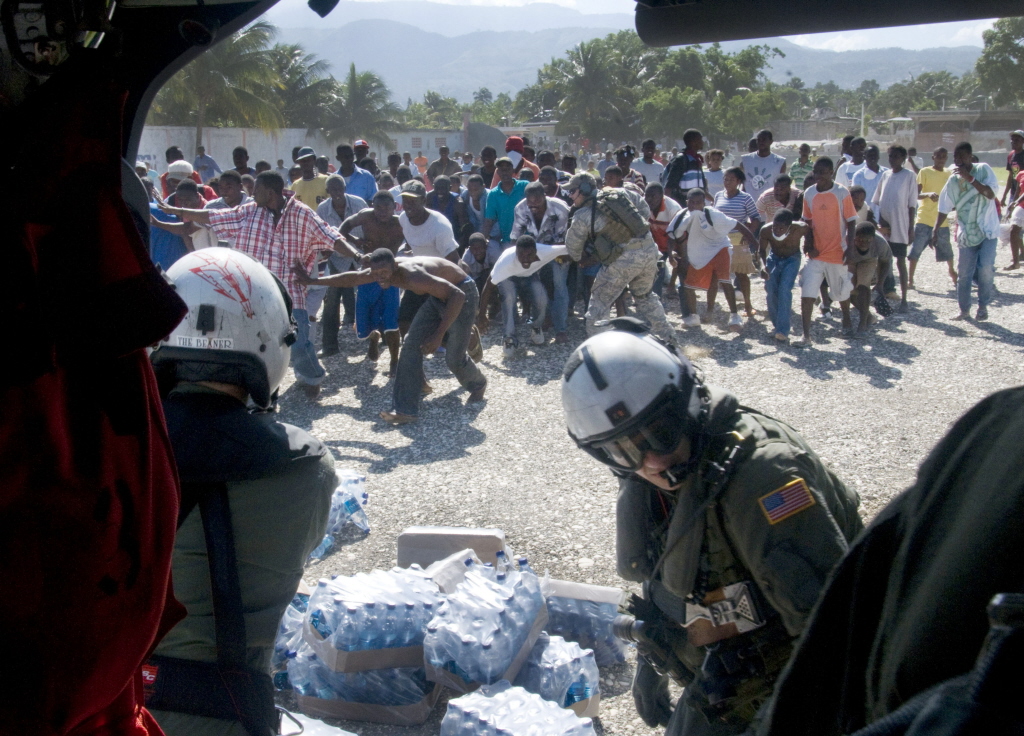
(607, 225)
(726, 516)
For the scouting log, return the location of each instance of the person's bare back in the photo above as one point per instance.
(427, 275)
(420, 274)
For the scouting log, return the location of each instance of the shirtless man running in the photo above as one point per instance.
(450, 306)
(377, 307)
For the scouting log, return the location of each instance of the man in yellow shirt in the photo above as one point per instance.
(930, 181)
(311, 189)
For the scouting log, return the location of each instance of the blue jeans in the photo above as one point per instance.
(508, 289)
(781, 277)
(560, 302)
(304, 361)
(979, 258)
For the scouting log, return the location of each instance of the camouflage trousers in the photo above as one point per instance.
(635, 270)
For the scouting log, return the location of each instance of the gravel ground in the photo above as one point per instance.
(872, 409)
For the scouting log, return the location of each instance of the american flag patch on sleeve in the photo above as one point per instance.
(783, 502)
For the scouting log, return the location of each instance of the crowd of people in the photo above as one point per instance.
(422, 255)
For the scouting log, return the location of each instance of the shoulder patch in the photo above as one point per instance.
(784, 502)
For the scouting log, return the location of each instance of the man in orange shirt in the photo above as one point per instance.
(828, 209)
(421, 162)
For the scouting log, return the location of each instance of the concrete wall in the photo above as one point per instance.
(274, 145)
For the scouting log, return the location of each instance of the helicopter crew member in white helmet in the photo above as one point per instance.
(256, 495)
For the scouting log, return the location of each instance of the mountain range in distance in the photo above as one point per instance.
(456, 50)
(445, 19)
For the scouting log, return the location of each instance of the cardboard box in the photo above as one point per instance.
(589, 708)
(396, 715)
(424, 545)
(581, 591)
(363, 659)
(453, 682)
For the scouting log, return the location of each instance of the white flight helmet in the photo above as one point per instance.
(239, 327)
(624, 393)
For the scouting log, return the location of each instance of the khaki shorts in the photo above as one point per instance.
(864, 272)
(742, 258)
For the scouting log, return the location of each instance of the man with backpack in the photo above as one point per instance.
(608, 226)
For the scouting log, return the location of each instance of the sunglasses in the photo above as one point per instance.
(571, 192)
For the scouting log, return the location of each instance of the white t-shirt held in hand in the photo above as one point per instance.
(508, 265)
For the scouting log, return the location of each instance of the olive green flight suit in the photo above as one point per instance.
(692, 547)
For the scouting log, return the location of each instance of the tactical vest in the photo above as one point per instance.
(733, 677)
(623, 222)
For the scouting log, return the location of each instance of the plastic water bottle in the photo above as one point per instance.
(389, 625)
(369, 636)
(347, 637)
(323, 548)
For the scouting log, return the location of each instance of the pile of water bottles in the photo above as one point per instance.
(289, 637)
(347, 522)
(377, 610)
(589, 624)
(503, 710)
(480, 628)
(559, 671)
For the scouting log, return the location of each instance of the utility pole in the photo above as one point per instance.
(861, 119)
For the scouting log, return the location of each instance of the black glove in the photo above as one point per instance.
(650, 694)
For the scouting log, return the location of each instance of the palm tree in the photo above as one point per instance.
(590, 93)
(231, 82)
(443, 112)
(304, 89)
(362, 109)
(484, 96)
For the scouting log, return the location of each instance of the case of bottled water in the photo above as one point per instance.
(351, 619)
(561, 672)
(347, 522)
(483, 631)
(398, 695)
(584, 614)
(503, 710)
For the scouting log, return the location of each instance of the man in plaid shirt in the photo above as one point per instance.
(277, 232)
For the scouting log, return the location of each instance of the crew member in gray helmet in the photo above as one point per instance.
(726, 516)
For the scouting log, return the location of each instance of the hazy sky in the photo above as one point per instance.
(909, 37)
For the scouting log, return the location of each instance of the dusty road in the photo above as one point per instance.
(871, 408)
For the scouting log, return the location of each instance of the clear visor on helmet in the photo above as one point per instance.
(660, 435)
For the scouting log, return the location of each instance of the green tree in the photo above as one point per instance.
(1000, 68)
(305, 90)
(362, 109)
(230, 83)
(665, 112)
(483, 96)
(683, 68)
(738, 117)
(591, 96)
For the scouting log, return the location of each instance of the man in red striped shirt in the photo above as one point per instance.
(276, 232)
